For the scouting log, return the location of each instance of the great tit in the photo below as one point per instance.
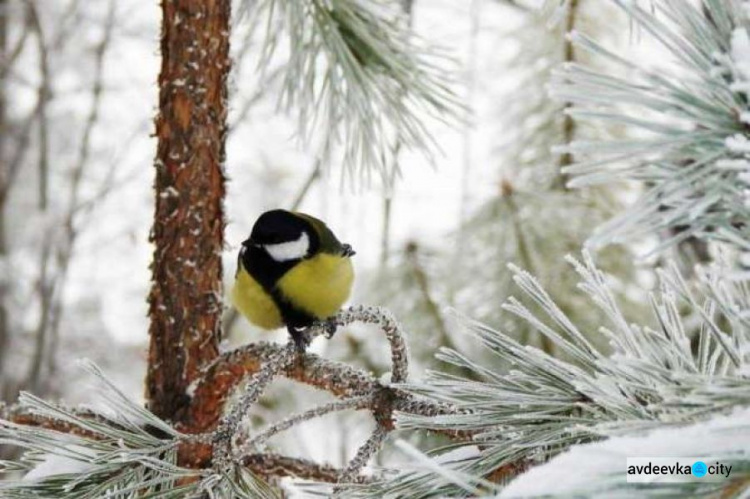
(292, 271)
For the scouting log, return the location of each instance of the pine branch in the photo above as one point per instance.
(540, 405)
(272, 465)
(209, 462)
(355, 72)
(232, 368)
(17, 415)
(355, 403)
(568, 124)
(371, 447)
(228, 429)
(688, 123)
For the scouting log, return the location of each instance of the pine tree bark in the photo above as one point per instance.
(185, 302)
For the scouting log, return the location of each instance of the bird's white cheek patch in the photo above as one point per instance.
(293, 250)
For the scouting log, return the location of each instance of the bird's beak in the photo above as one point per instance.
(247, 243)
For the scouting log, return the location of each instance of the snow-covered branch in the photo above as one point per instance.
(273, 465)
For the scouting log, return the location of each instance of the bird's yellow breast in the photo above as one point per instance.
(254, 303)
(319, 285)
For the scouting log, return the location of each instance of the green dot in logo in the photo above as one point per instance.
(699, 469)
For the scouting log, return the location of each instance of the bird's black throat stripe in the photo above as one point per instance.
(267, 272)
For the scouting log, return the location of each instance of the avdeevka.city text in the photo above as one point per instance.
(677, 469)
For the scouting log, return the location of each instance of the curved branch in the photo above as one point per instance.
(228, 430)
(368, 449)
(342, 405)
(276, 465)
(225, 434)
(231, 368)
(17, 415)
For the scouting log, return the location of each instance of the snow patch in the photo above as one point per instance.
(54, 464)
(741, 51)
(580, 469)
(738, 143)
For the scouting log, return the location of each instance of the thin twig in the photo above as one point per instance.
(568, 123)
(254, 99)
(23, 138)
(9, 57)
(389, 189)
(314, 175)
(65, 251)
(45, 287)
(44, 96)
(45, 290)
(339, 405)
(5, 278)
(365, 452)
(467, 135)
(516, 5)
(420, 276)
(227, 429)
(275, 465)
(524, 249)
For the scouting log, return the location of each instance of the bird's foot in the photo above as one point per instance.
(301, 338)
(330, 326)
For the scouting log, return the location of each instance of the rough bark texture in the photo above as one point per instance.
(185, 299)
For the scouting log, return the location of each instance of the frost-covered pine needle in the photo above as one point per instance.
(538, 406)
(357, 75)
(688, 122)
(121, 451)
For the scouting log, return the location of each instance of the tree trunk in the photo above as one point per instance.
(185, 303)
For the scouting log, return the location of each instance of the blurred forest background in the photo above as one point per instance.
(77, 102)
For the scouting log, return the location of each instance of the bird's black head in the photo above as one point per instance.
(283, 235)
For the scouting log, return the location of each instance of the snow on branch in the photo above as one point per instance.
(596, 469)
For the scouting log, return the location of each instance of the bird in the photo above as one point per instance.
(292, 271)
